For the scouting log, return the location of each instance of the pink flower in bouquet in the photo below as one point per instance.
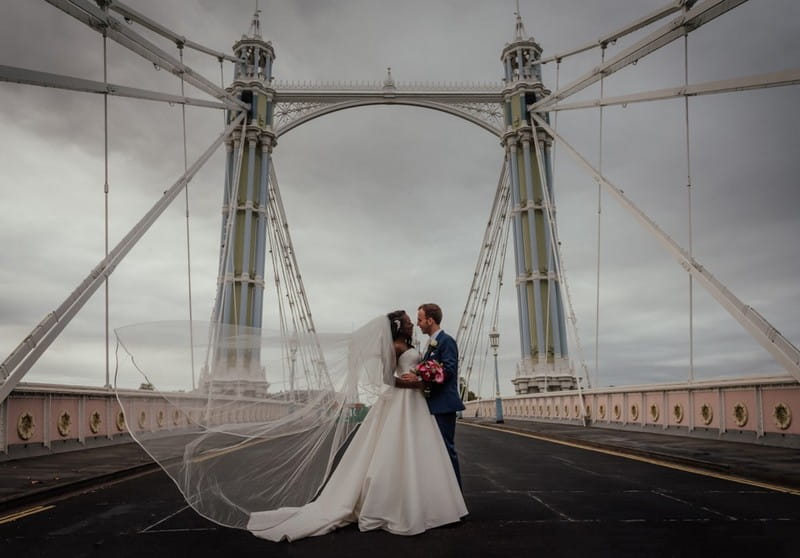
(430, 371)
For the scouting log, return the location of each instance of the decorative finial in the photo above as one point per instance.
(520, 36)
(255, 25)
(388, 83)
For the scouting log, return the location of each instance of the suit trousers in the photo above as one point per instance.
(447, 426)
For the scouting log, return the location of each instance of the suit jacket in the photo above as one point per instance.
(444, 397)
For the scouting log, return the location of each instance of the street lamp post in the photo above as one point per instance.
(494, 341)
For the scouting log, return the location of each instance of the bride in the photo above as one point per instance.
(259, 442)
(395, 474)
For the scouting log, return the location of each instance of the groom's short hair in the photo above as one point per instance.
(432, 311)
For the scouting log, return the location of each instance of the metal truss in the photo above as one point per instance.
(486, 283)
(698, 15)
(293, 306)
(611, 38)
(773, 79)
(296, 104)
(57, 81)
(31, 348)
(132, 15)
(116, 30)
(756, 325)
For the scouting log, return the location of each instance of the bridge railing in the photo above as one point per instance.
(754, 410)
(44, 418)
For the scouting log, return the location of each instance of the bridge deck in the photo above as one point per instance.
(526, 494)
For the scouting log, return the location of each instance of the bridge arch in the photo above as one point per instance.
(441, 107)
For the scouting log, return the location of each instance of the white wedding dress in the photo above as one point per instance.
(395, 475)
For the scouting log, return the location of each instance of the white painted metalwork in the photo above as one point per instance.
(599, 231)
(188, 233)
(89, 14)
(28, 352)
(105, 203)
(772, 79)
(770, 338)
(561, 276)
(292, 299)
(489, 267)
(689, 201)
(226, 279)
(130, 14)
(611, 38)
(3, 426)
(699, 15)
(44, 79)
(481, 104)
(297, 103)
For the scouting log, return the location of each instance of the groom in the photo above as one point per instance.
(444, 401)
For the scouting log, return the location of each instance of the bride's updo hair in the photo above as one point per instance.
(396, 326)
(396, 323)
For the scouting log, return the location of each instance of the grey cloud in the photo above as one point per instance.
(359, 185)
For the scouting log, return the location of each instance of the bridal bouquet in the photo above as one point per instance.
(430, 372)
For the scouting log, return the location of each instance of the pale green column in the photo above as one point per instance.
(543, 363)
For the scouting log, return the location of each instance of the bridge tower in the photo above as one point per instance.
(240, 285)
(544, 365)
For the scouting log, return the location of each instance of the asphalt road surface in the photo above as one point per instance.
(526, 497)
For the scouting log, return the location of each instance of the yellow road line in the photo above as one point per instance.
(651, 460)
(24, 513)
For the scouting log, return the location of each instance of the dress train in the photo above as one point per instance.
(395, 475)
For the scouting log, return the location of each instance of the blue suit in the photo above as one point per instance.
(444, 400)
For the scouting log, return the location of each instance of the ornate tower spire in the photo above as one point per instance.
(255, 24)
(520, 35)
(521, 56)
(240, 286)
(544, 365)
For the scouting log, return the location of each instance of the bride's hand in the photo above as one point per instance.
(408, 376)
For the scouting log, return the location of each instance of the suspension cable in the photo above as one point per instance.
(496, 309)
(470, 332)
(188, 233)
(555, 127)
(285, 262)
(550, 297)
(222, 85)
(599, 221)
(480, 344)
(689, 198)
(105, 196)
(216, 318)
(286, 349)
(486, 246)
(229, 224)
(756, 325)
(226, 255)
(558, 260)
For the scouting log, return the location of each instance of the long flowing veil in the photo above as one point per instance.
(244, 419)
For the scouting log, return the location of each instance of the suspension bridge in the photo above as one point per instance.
(259, 280)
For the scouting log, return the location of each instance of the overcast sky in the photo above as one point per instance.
(387, 205)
